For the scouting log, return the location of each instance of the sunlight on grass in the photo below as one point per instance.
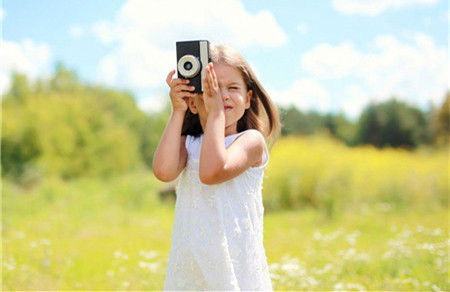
(338, 219)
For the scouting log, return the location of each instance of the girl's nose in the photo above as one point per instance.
(225, 95)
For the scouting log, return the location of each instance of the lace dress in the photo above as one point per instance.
(217, 238)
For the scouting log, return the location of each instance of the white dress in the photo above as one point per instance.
(217, 238)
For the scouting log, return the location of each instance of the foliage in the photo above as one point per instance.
(70, 129)
(114, 234)
(388, 124)
(393, 123)
(441, 123)
(324, 174)
(63, 126)
(105, 229)
(296, 122)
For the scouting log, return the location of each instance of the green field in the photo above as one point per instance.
(114, 234)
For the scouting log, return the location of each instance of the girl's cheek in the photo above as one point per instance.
(236, 95)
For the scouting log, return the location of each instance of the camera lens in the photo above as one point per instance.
(187, 66)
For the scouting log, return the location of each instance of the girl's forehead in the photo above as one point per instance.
(227, 73)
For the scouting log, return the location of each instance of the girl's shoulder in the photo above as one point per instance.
(255, 142)
(250, 134)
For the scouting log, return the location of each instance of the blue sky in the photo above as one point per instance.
(329, 56)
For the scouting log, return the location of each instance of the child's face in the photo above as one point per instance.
(235, 96)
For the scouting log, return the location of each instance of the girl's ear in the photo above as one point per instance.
(192, 107)
(249, 98)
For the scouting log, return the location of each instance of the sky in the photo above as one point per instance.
(323, 55)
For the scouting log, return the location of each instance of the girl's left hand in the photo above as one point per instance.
(211, 91)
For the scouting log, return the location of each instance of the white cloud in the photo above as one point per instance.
(375, 7)
(356, 100)
(416, 72)
(327, 61)
(153, 104)
(26, 57)
(76, 31)
(137, 63)
(104, 31)
(144, 35)
(306, 94)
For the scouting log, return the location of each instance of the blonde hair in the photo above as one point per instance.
(262, 114)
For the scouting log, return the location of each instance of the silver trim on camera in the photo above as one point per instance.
(194, 69)
(204, 57)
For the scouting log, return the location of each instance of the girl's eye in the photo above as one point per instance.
(233, 88)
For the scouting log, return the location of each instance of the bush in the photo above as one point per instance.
(322, 173)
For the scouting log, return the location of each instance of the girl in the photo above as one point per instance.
(216, 141)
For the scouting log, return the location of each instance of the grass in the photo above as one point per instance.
(114, 234)
(361, 251)
(85, 235)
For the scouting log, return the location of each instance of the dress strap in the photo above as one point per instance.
(193, 146)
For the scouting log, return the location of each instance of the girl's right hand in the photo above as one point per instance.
(179, 92)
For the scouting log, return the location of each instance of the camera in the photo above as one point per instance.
(192, 59)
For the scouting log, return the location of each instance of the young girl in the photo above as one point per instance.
(216, 140)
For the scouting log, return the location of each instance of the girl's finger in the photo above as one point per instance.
(177, 82)
(214, 77)
(183, 87)
(174, 82)
(184, 95)
(205, 83)
(210, 78)
(170, 76)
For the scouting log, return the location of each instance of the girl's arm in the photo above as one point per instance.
(171, 155)
(217, 163)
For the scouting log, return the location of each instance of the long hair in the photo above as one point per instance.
(262, 114)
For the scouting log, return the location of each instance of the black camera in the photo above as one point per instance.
(192, 59)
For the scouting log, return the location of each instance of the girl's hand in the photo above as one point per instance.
(179, 92)
(211, 91)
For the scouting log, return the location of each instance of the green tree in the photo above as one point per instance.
(72, 129)
(20, 89)
(296, 122)
(441, 123)
(64, 80)
(341, 128)
(19, 151)
(393, 123)
(151, 133)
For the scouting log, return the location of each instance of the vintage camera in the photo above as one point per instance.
(192, 59)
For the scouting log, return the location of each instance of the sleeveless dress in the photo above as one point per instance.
(217, 238)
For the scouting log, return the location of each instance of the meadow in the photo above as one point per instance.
(337, 218)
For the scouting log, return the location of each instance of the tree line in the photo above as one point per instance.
(63, 126)
(392, 123)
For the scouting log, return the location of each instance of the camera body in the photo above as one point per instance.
(192, 59)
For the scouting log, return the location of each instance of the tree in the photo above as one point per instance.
(393, 123)
(296, 122)
(20, 88)
(66, 128)
(64, 79)
(19, 150)
(341, 128)
(441, 123)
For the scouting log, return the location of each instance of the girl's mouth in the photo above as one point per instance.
(228, 107)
